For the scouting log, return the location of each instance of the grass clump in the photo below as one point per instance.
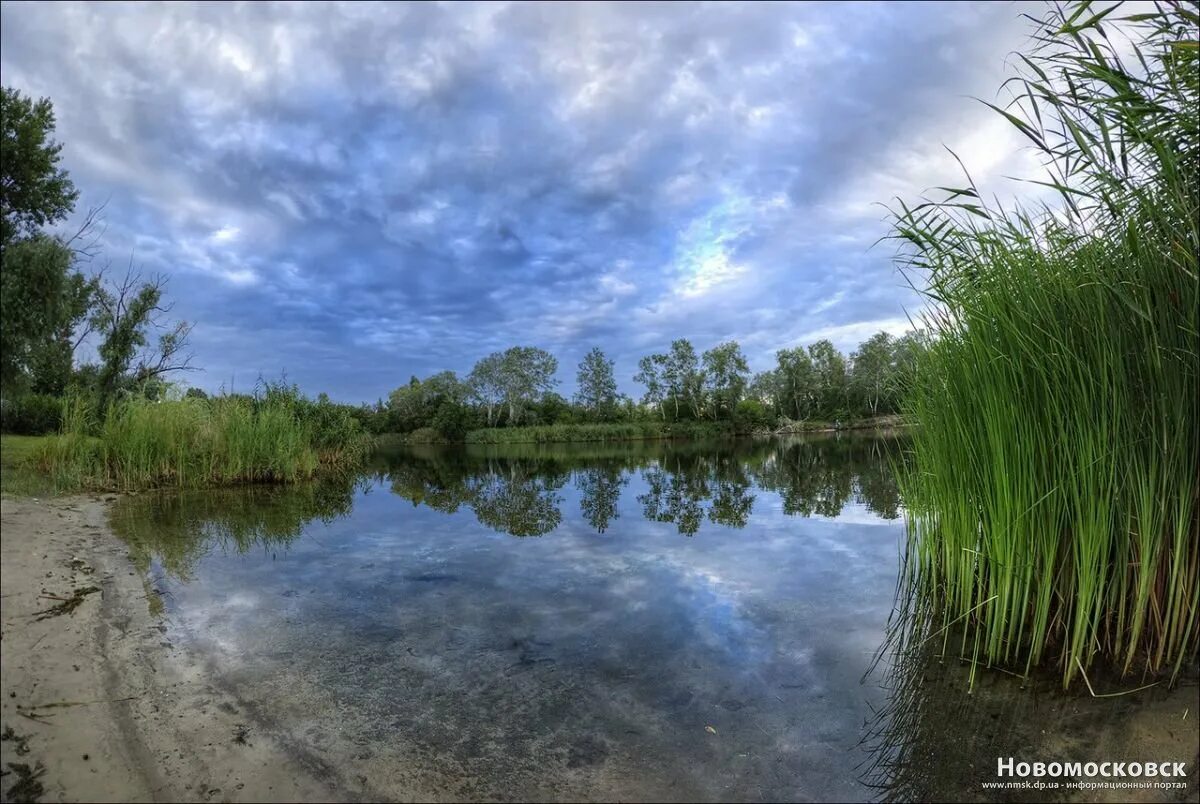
(277, 437)
(1053, 512)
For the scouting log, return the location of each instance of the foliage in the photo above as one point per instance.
(1055, 510)
(30, 414)
(725, 376)
(275, 436)
(34, 190)
(514, 388)
(596, 383)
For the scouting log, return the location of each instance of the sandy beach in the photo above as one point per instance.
(96, 703)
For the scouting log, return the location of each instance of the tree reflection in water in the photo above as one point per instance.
(517, 489)
(521, 490)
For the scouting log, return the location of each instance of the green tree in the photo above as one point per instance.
(829, 373)
(34, 191)
(795, 382)
(764, 389)
(650, 374)
(124, 316)
(906, 351)
(872, 371)
(486, 383)
(597, 385)
(43, 299)
(513, 380)
(725, 375)
(682, 377)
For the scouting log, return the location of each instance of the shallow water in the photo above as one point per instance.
(652, 621)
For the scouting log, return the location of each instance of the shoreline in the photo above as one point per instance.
(101, 707)
(694, 431)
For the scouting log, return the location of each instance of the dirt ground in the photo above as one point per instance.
(96, 705)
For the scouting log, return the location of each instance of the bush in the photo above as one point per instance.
(31, 414)
(752, 414)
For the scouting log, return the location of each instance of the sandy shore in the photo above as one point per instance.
(95, 702)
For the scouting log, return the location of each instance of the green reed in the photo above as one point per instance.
(186, 443)
(1053, 508)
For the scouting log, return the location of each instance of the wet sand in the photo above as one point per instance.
(99, 705)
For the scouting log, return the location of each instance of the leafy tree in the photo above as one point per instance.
(829, 372)
(44, 301)
(650, 374)
(34, 190)
(43, 297)
(597, 385)
(486, 383)
(872, 371)
(905, 352)
(441, 397)
(725, 376)
(764, 389)
(528, 372)
(795, 382)
(513, 379)
(683, 379)
(124, 315)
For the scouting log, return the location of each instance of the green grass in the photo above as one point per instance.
(18, 476)
(1053, 508)
(188, 443)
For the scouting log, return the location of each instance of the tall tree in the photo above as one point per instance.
(486, 382)
(597, 385)
(794, 378)
(514, 379)
(906, 351)
(650, 370)
(829, 371)
(872, 370)
(34, 191)
(725, 376)
(764, 387)
(43, 298)
(682, 377)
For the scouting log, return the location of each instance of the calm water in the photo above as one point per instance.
(625, 622)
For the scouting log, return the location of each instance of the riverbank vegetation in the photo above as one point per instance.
(510, 396)
(273, 436)
(1054, 506)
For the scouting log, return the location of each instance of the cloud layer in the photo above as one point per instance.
(354, 194)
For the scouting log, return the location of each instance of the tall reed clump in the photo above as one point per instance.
(194, 442)
(1053, 509)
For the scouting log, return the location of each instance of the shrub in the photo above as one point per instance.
(31, 414)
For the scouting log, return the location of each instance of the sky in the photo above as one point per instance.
(354, 194)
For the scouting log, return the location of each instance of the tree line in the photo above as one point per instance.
(54, 301)
(518, 387)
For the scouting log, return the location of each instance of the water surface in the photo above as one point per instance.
(636, 621)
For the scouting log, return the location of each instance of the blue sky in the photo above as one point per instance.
(356, 194)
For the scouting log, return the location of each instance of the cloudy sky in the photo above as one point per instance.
(355, 194)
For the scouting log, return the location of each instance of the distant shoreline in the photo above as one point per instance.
(641, 431)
